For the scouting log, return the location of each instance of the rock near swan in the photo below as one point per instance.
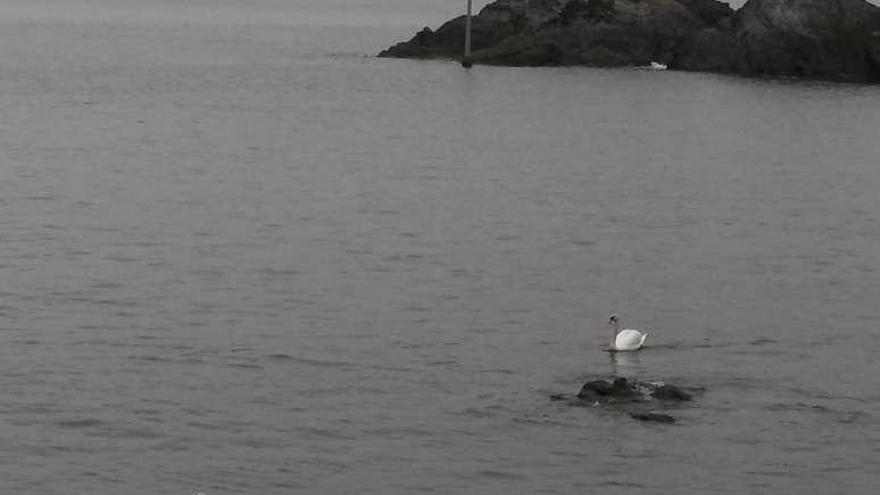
(636, 398)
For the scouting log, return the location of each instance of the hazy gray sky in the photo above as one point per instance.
(338, 12)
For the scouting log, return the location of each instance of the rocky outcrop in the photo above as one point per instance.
(874, 53)
(827, 39)
(636, 398)
(569, 32)
(824, 39)
(496, 22)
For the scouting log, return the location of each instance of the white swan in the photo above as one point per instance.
(624, 340)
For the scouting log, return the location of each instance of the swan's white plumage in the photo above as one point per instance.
(625, 340)
(629, 340)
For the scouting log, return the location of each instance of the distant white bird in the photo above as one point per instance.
(624, 340)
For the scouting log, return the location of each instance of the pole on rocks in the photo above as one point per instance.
(466, 61)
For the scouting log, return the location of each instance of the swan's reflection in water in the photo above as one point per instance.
(626, 364)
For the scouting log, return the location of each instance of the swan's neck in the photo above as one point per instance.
(615, 329)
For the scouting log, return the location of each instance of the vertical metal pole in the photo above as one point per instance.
(466, 62)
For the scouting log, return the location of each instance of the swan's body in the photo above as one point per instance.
(629, 340)
(625, 340)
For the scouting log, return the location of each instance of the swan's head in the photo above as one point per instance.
(613, 319)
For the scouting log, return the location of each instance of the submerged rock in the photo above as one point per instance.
(828, 39)
(618, 390)
(670, 392)
(633, 397)
(652, 416)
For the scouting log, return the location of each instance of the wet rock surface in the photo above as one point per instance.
(643, 401)
(652, 417)
(620, 390)
(670, 392)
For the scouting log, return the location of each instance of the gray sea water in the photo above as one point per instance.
(239, 254)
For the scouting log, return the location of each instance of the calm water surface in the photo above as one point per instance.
(239, 254)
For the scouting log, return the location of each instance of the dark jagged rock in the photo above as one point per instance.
(670, 392)
(618, 390)
(629, 396)
(496, 22)
(595, 387)
(568, 32)
(652, 416)
(818, 38)
(709, 49)
(821, 39)
(827, 39)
